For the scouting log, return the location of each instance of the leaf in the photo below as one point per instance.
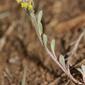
(83, 68)
(40, 28)
(53, 46)
(62, 60)
(45, 39)
(80, 70)
(39, 18)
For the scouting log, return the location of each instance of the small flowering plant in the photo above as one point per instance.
(36, 18)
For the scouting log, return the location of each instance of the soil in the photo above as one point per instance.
(63, 20)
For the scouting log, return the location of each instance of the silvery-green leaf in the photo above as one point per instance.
(53, 45)
(39, 16)
(45, 39)
(40, 28)
(62, 60)
(83, 68)
(80, 70)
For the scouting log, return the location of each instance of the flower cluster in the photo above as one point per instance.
(25, 4)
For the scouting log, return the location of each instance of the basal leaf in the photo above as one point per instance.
(83, 68)
(80, 70)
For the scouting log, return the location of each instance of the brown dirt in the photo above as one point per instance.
(63, 19)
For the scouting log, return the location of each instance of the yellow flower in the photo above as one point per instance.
(24, 5)
(19, 1)
(27, 6)
(30, 7)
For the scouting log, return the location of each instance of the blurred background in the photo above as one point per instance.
(20, 49)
